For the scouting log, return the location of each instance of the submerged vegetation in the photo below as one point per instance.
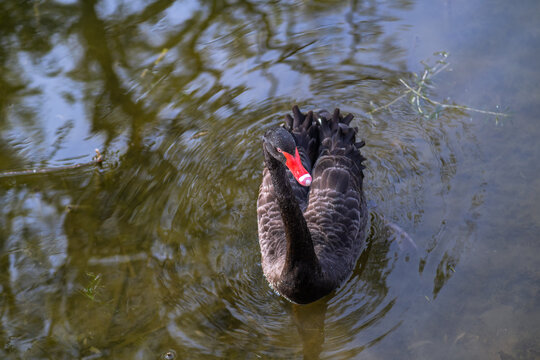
(92, 288)
(419, 97)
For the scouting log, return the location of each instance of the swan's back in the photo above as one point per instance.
(334, 205)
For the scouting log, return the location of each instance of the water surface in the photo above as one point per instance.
(156, 251)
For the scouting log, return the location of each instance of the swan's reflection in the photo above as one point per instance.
(309, 320)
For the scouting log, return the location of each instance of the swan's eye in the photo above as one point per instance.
(279, 150)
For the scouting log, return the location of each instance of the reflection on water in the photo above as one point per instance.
(156, 251)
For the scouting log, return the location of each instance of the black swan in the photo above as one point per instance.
(311, 227)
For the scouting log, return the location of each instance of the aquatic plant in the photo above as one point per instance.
(91, 290)
(419, 98)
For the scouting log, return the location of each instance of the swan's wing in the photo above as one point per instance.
(336, 213)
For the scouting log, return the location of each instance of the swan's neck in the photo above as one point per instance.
(300, 252)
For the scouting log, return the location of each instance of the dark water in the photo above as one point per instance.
(156, 250)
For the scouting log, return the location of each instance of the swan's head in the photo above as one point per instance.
(280, 144)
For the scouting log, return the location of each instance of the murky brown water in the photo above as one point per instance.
(157, 251)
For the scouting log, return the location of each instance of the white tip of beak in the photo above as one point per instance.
(305, 180)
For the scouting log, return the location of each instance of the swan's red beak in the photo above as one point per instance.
(295, 165)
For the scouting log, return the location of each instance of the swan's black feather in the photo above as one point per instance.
(333, 207)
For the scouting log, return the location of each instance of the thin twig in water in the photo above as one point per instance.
(436, 70)
(97, 159)
(423, 82)
(389, 104)
(450, 106)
